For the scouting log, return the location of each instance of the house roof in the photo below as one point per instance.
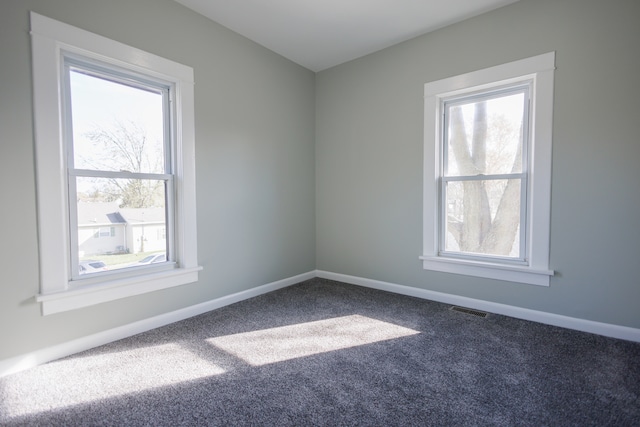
(101, 213)
(140, 215)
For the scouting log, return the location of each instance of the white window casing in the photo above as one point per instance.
(539, 71)
(51, 41)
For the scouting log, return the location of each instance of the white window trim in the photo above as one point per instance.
(540, 70)
(50, 38)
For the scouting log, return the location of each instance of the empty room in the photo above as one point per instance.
(290, 212)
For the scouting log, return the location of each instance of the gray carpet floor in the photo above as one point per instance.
(327, 353)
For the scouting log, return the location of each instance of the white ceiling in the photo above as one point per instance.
(319, 34)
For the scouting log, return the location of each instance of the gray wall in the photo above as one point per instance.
(258, 116)
(255, 117)
(369, 140)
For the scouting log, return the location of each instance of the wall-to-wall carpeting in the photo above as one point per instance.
(327, 353)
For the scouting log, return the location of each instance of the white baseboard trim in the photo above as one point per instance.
(38, 357)
(606, 329)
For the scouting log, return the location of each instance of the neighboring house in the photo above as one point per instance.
(101, 229)
(146, 230)
(104, 228)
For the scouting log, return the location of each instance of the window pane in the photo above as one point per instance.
(116, 127)
(485, 136)
(129, 217)
(483, 217)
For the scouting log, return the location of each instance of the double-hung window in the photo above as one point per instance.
(115, 168)
(117, 135)
(487, 172)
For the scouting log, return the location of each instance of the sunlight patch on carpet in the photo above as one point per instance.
(104, 376)
(306, 339)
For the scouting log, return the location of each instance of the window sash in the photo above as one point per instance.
(77, 63)
(496, 92)
(443, 225)
(483, 177)
(444, 177)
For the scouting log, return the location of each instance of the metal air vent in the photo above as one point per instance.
(470, 311)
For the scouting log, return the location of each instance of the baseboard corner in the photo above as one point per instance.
(583, 325)
(38, 357)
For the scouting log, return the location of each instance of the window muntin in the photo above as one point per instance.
(483, 182)
(118, 144)
(120, 121)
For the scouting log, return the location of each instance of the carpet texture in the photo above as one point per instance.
(327, 353)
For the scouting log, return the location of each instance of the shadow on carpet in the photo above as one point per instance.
(326, 353)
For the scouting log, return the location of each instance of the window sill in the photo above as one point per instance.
(115, 289)
(488, 270)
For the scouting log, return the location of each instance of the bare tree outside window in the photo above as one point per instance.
(126, 146)
(120, 168)
(121, 132)
(482, 176)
